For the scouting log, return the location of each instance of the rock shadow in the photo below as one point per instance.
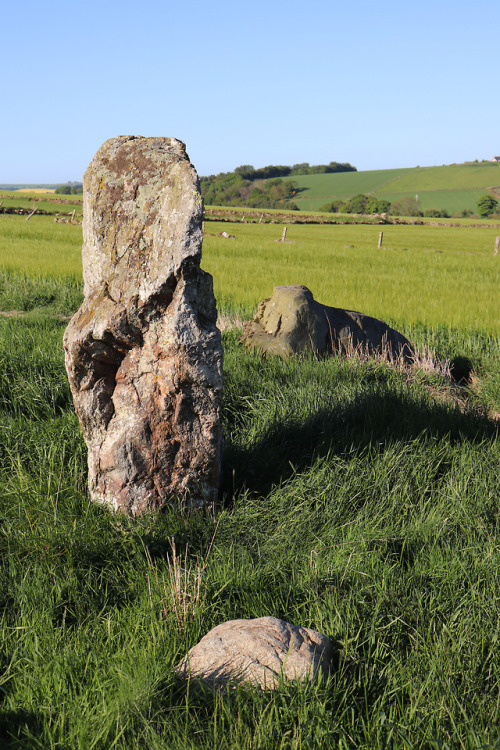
(20, 729)
(378, 418)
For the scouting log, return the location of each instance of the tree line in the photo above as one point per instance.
(369, 204)
(261, 188)
(71, 188)
(248, 172)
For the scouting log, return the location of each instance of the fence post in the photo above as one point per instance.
(380, 239)
(497, 245)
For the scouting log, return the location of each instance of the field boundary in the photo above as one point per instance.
(292, 217)
(39, 198)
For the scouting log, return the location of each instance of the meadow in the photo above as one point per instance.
(359, 498)
(453, 187)
(42, 200)
(423, 274)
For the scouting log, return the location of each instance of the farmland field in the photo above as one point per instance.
(359, 498)
(423, 274)
(453, 187)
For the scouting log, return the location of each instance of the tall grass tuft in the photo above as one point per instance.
(180, 591)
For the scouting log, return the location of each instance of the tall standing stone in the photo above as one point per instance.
(143, 353)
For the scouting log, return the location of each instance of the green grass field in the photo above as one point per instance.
(42, 201)
(423, 274)
(39, 247)
(453, 187)
(358, 499)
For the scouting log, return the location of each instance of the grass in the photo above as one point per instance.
(452, 201)
(444, 276)
(355, 501)
(22, 293)
(35, 199)
(40, 248)
(358, 498)
(423, 274)
(453, 187)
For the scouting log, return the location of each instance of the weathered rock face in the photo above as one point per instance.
(257, 652)
(292, 322)
(143, 354)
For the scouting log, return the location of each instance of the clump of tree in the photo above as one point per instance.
(231, 189)
(369, 204)
(248, 172)
(486, 205)
(438, 213)
(275, 193)
(333, 166)
(406, 207)
(261, 188)
(71, 188)
(358, 204)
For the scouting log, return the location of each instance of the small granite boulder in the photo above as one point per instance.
(292, 322)
(258, 652)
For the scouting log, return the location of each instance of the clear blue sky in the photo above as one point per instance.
(381, 85)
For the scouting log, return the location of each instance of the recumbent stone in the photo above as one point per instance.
(290, 321)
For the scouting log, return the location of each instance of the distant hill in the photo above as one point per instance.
(454, 188)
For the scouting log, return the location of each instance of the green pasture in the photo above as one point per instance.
(452, 177)
(434, 275)
(42, 201)
(358, 498)
(452, 201)
(321, 188)
(453, 187)
(40, 247)
(431, 275)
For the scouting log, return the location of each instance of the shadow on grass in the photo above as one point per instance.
(375, 419)
(19, 729)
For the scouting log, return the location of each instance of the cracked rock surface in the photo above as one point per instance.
(143, 353)
(258, 652)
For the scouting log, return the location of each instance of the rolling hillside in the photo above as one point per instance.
(454, 187)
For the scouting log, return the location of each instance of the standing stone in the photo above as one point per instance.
(143, 353)
(259, 652)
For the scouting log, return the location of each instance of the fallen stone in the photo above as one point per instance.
(143, 353)
(259, 652)
(292, 322)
